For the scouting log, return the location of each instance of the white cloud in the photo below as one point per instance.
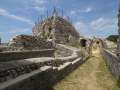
(1, 33)
(80, 25)
(72, 12)
(41, 9)
(86, 10)
(19, 30)
(89, 9)
(102, 23)
(100, 27)
(3, 12)
(39, 5)
(40, 2)
(6, 13)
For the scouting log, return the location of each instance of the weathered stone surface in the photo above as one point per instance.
(56, 27)
(12, 69)
(27, 42)
(40, 79)
(18, 55)
(23, 75)
(112, 61)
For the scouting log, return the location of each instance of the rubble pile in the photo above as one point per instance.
(13, 69)
(27, 42)
(10, 70)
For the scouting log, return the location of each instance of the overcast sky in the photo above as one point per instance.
(90, 17)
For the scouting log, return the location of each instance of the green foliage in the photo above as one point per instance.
(113, 38)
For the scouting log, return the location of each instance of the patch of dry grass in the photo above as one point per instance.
(104, 77)
(92, 75)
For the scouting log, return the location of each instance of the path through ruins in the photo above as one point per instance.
(92, 75)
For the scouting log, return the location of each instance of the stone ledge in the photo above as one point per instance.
(112, 61)
(8, 56)
(21, 78)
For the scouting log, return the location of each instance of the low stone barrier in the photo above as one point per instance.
(31, 81)
(112, 61)
(41, 79)
(17, 55)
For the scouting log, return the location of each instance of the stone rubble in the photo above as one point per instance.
(27, 42)
(12, 69)
(46, 34)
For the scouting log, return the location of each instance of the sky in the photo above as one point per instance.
(89, 17)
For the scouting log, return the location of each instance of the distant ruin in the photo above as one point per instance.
(54, 29)
(57, 28)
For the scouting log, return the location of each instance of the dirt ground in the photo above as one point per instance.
(92, 75)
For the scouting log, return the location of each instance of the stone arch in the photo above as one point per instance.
(83, 42)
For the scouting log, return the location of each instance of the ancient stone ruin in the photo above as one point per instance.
(54, 29)
(57, 28)
(27, 42)
(39, 61)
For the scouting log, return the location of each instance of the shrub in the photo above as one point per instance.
(113, 38)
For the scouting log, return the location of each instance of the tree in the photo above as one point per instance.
(113, 38)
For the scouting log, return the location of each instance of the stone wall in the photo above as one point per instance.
(41, 79)
(112, 61)
(3, 47)
(17, 55)
(27, 42)
(48, 72)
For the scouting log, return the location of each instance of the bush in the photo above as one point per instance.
(113, 38)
